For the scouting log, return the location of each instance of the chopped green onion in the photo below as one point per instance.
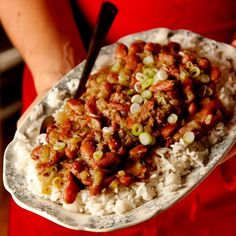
(208, 119)
(172, 118)
(149, 72)
(137, 87)
(188, 137)
(108, 130)
(135, 107)
(59, 146)
(147, 83)
(130, 92)
(116, 67)
(153, 141)
(146, 94)
(209, 91)
(137, 99)
(121, 173)
(155, 79)
(114, 184)
(137, 129)
(148, 60)
(162, 74)
(140, 76)
(84, 174)
(145, 138)
(195, 72)
(181, 53)
(97, 155)
(183, 74)
(97, 177)
(57, 182)
(123, 79)
(204, 78)
(189, 65)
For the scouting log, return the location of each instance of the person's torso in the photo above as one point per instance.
(214, 19)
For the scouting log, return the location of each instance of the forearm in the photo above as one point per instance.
(46, 36)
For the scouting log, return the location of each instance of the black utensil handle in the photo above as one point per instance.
(105, 19)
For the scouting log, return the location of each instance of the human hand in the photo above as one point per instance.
(48, 81)
(47, 38)
(234, 43)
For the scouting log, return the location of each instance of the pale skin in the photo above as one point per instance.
(37, 29)
(49, 47)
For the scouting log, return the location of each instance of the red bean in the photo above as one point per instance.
(71, 189)
(164, 85)
(152, 47)
(126, 180)
(204, 64)
(174, 47)
(76, 105)
(137, 47)
(121, 51)
(71, 154)
(215, 73)
(209, 108)
(132, 61)
(108, 160)
(168, 130)
(192, 108)
(87, 148)
(91, 107)
(137, 152)
(36, 153)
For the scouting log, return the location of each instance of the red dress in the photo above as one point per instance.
(211, 208)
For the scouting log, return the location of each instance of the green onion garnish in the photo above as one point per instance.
(188, 137)
(130, 92)
(148, 60)
(137, 99)
(209, 91)
(162, 74)
(145, 138)
(149, 72)
(135, 107)
(204, 78)
(189, 65)
(195, 72)
(97, 155)
(140, 76)
(59, 146)
(146, 83)
(137, 87)
(183, 74)
(172, 118)
(116, 67)
(146, 94)
(137, 129)
(123, 79)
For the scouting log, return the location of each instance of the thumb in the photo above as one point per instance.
(234, 43)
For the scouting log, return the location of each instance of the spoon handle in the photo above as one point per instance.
(105, 19)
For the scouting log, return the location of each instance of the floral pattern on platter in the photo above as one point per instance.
(16, 184)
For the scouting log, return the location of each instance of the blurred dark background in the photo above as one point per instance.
(11, 68)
